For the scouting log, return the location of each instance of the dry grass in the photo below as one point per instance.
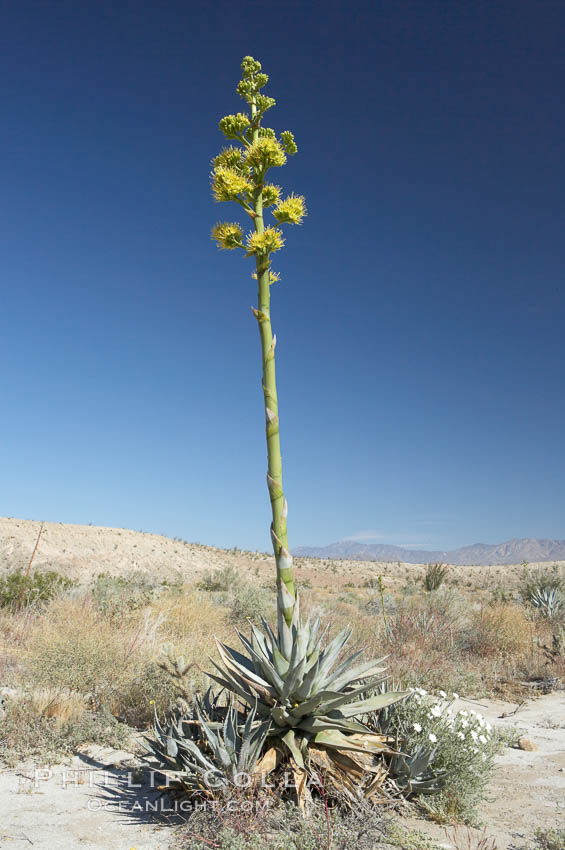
(501, 629)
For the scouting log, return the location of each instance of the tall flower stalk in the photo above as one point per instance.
(239, 174)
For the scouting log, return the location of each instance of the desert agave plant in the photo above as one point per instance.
(310, 708)
(413, 774)
(293, 681)
(290, 676)
(547, 600)
(209, 747)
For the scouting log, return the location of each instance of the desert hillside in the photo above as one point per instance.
(81, 552)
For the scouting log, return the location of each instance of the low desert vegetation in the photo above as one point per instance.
(76, 673)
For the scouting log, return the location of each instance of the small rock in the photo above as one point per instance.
(526, 744)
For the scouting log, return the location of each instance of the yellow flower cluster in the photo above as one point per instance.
(227, 184)
(271, 194)
(265, 153)
(288, 142)
(229, 157)
(291, 210)
(228, 235)
(233, 126)
(264, 243)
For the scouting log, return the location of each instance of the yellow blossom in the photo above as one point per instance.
(227, 184)
(291, 210)
(264, 243)
(264, 153)
(228, 235)
(271, 194)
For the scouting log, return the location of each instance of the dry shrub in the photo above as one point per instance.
(63, 708)
(191, 621)
(425, 625)
(500, 629)
(72, 648)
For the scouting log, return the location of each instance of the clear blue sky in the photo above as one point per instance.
(421, 311)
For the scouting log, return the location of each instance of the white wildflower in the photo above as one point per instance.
(454, 695)
(436, 710)
(432, 737)
(482, 739)
(461, 735)
(417, 727)
(443, 695)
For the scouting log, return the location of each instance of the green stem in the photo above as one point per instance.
(283, 558)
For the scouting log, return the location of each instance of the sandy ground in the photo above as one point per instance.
(93, 801)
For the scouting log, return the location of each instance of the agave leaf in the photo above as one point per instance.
(344, 676)
(254, 681)
(270, 634)
(259, 642)
(361, 743)
(310, 675)
(295, 623)
(302, 792)
(293, 680)
(313, 703)
(172, 748)
(329, 655)
(289, 739)
(255, 685)
(313, 658)
(159, 752)
(281, 716)
(372, 704)
(280, 663)
(301, 640)
(343, 667)
(376, 783)
(314, 629)
(317, 724)
(234, 688)
(343, 699)
(261, 665)
(285, 634)
(238, 657)
(258, 739)
(268, 762)
(230, 730)
(357, 763)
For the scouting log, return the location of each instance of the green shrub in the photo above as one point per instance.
(25, 733)
(223, 579)
(463, 746)
(282, 827)
(434, 576)
(18, 590)
(540, 580)
(546, 839)
(115, 596)
(249, 602)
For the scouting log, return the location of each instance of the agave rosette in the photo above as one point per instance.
(292, 680)
(210, 747)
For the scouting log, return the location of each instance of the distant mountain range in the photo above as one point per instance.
(512, 552)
